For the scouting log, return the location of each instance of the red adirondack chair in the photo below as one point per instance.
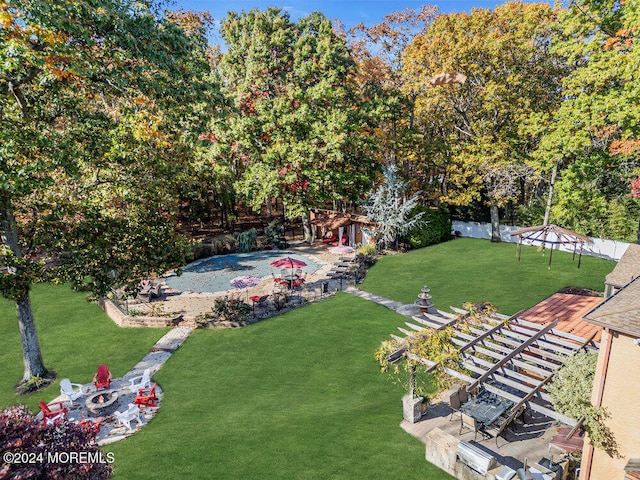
(49, 416)
(146, 397)
(102, 378)
(91, 425)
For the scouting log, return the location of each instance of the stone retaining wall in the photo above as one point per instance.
(123, 320)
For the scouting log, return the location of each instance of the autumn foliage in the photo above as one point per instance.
(39, 451)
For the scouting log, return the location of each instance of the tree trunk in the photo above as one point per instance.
(638, 234)
(33, 365)
(495, 223)
(306, 227)
(547, 211)
(268, 202)
(412, 381)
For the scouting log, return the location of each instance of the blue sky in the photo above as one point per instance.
(349, 12)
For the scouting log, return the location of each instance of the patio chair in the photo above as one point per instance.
(500, 425)
(131, 413)
(455, 403)
(91, 425)
(331, 239)
(102, 378)
(141, 381)
(463, 394)
(467, 422)
(146, 397)
(49, 416)
(150, 290)
(67, 389)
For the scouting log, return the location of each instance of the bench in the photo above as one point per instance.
(475, 458)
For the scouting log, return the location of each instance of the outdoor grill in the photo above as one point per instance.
(474, 458)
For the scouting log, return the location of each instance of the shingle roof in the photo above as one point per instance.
(569, 310)
(621, 312)
(627, 268)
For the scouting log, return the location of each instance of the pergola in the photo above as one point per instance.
(505, 355)
(551, 235)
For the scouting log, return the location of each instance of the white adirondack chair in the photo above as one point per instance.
(67, 389)
(141, 381)
(131, 413)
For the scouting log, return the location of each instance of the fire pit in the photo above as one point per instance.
(102, 403)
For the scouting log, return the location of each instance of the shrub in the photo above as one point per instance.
(44, 450)
(230, 309)
(218, 245)
(274, 232)
(435, 229)
(570, 394)
(247, 241)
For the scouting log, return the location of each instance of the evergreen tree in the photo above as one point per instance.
(390, 209)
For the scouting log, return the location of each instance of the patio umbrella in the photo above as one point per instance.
(288, 262)
(342, 249)
(245, 281)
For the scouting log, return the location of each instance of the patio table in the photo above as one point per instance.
(486, 407)
(290, 279)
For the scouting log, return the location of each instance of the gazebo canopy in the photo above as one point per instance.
(550, 235)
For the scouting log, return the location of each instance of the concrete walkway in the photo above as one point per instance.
(110, 430)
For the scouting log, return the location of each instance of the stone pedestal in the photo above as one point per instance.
(412, 408)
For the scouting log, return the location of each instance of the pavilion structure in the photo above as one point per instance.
(553, 236)
(506, 355)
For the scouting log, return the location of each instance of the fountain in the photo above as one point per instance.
(424, 301)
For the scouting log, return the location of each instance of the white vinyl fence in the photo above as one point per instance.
(609, 249)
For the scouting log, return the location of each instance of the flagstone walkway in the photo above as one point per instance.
(406, 310)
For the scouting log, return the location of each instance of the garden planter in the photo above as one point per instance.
(412, 408)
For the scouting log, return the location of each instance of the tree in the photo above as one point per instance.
(292, 131)
(21, 433)
(474, 127)
(92, 130)
(592, 138)
(378, 51)
(570, 394)
(635, 193)
(392, 212)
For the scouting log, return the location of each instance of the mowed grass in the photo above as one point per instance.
(473, 270)
(298, 396)
(75, 337)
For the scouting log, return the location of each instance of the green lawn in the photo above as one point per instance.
(75, 336)
(297, 396)
(472, 270)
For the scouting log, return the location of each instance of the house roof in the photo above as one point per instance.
(627, 268)
(569, 309)
(332, 220)
(621, 312)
